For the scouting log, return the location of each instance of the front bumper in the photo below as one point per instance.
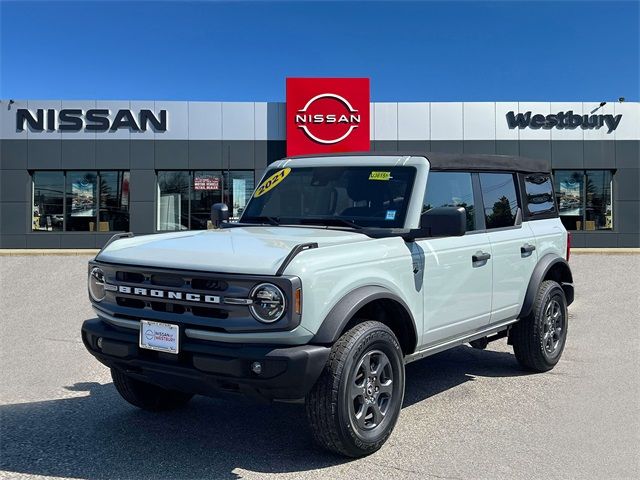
(207, 368)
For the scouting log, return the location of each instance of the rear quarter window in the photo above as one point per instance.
(539, 194)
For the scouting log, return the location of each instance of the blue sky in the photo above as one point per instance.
(243, 51)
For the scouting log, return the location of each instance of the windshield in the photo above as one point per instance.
(353, 197)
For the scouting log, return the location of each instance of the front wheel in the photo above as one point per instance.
(539, 339)
(354, 406)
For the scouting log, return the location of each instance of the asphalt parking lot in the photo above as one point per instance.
(467, 413)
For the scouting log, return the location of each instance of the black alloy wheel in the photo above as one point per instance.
(354, 406)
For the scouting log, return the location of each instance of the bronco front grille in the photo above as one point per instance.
(191, 299)
(130, 277)
(155, 283)
(164, 280)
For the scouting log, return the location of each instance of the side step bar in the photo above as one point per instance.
(454, 342)
(482, 343)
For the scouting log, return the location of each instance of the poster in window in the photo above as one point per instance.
(82, 197)
(206, 183)
(125, 189)
(570, 201)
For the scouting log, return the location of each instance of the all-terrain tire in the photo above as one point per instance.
(366, 361)
(539, 339)
(147, 396)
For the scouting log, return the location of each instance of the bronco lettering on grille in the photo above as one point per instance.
(169, 295)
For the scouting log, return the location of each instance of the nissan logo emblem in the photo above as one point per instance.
(345, 114)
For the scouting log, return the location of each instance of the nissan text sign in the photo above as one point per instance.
(326, 115)
(92, 120)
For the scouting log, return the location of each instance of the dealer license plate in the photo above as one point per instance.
(163, 337)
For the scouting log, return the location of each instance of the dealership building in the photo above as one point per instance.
(73, 173)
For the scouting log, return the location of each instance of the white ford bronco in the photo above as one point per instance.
(341, 270)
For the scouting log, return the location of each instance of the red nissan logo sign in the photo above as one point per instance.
(327, 115)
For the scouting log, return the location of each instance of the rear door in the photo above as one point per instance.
(457, 289)
(513, 247)
(541, 214)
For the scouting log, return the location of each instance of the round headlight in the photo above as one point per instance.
(96, 284)
(268, 303)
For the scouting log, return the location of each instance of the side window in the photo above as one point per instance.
(500, 199)
(539, 194)
(451, 189)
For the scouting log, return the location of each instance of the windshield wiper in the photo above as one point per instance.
(262, 220)
(329, 221)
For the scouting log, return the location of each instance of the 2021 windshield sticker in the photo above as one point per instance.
(380, 176)
(271, 182)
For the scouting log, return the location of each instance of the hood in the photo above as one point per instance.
(257, 250)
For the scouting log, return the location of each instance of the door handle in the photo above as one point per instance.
(480, 257)
(527, 248)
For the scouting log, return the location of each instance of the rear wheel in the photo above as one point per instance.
(354, 405)
(147, 396)
(539, 339)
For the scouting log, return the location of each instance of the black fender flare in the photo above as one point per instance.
(344, 311)
(544, 265)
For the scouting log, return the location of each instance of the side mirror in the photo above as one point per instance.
(444, 222)
(219, 214)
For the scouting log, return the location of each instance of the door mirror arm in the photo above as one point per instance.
(416, 234)
(219, 214)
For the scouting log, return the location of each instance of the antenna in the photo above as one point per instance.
(229, 175)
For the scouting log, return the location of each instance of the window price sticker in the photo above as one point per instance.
(271, 182)
(385, 176)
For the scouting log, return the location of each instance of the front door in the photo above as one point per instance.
(457, 286)
(457, 270)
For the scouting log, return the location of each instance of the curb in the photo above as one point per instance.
(606, 251)
(30, 252)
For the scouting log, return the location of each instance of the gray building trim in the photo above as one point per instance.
(143, 157)
(627, 153)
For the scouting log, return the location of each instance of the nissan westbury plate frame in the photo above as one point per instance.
(163, 337)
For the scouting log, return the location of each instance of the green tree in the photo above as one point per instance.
(501, 215)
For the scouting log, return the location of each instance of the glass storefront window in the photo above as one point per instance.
(569, 192)
(81, 201)
(80, 210)
(584, 199)
(173, 200)
(48, 201)
(114, 201)
(206, 190)
(598, 210)
(238, 188)
(185, 197)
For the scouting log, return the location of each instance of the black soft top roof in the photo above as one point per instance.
(461, 161)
